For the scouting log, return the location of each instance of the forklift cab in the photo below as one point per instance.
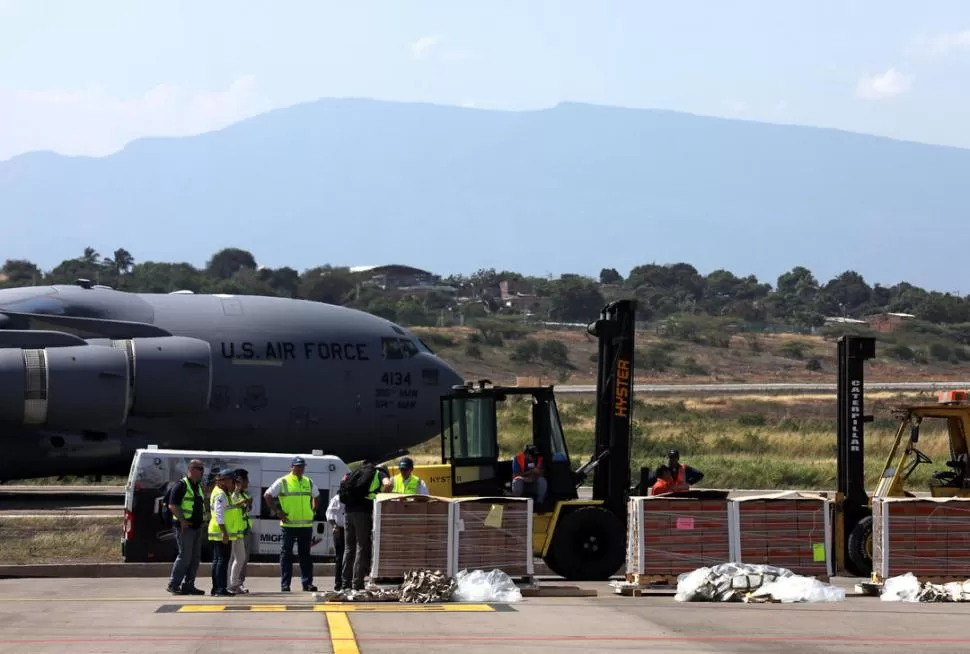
(469, 442)
(952, 413)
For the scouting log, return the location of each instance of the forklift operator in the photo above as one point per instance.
(527, 474)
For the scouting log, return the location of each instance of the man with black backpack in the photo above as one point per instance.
(185, 503)
(357, 492)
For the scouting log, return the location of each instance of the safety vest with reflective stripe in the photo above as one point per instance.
(681, 477)
(242, 498)
(295, 501)
(188, 500)
(233, 518)
(409, 487)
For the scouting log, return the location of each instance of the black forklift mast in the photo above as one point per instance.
(616, 330)
(853, 352)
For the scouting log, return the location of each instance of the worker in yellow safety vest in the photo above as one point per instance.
(242, 502)
(407, 483)
(225, 526)
(299, 501)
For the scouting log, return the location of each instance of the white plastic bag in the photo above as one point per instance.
(481, 586)
(694, 586)
(800, 589)
(904, 588)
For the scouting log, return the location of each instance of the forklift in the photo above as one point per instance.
(853, 506)
(580, 540)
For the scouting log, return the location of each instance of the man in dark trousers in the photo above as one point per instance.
(337, 519)
(357, 533)
(186, 503)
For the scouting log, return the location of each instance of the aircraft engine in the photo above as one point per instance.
(99, 385)
(171, 375)
(74, 387)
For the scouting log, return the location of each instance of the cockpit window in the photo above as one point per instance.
(409, 348)
(398, 348)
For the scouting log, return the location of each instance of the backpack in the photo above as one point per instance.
(168, 520)
(354, 489)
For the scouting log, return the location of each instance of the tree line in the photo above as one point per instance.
(797, 300)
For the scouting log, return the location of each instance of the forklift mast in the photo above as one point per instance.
(853, 351)
(615, 329)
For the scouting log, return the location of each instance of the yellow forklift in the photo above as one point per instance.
(578, 539)
(853, 507)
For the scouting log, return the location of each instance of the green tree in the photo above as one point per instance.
(227, 262)
(575, 298)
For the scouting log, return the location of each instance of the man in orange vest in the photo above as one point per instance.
(666, 483)
(528, 474)
(682, 474)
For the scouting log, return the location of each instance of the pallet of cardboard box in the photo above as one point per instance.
(415, 532)
(929, 537)
(670, 535)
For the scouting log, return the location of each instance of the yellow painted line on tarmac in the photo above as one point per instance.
(202, 608)
(342, 638)
(335, 607)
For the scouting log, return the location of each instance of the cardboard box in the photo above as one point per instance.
(669, 535)
(929, 537)
(411, 532)
(787, 530)
(494, 533)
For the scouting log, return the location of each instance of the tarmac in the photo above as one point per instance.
(137, 615)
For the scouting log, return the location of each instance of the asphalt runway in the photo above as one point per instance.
(126, 615)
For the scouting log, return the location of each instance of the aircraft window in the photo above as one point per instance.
(423, 346)
(398, 348)
(392, 348)
(408, 348)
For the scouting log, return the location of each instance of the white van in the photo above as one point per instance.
(146, 538)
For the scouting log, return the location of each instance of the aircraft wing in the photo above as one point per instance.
(84, 327)
(24, 338)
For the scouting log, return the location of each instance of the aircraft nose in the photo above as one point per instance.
(448, 377)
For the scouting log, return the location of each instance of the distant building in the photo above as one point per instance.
(395, 276)
(888, 322)
(839, 320)
(520, 296)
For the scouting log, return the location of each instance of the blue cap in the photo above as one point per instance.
(298, 461)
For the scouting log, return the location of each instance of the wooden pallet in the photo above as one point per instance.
(652, 580)
(637, 585)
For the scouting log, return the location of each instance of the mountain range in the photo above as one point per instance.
(574, 188)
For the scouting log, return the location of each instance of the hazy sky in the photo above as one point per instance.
(88, 76)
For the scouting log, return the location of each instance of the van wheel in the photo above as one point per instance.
(589, 544)
(860, 547)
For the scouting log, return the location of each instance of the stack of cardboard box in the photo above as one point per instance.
(411, 532)
(929, 537)
(495, 533)
(787, 530)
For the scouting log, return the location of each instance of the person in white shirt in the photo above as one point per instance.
(336, 518)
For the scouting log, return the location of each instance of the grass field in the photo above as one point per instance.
(59, 540)
(785, 442)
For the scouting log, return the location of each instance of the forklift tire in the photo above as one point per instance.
(860, 547)
(589, 544)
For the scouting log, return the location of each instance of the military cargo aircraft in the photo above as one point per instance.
(88, 374)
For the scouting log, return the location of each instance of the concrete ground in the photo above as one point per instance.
(137, 615)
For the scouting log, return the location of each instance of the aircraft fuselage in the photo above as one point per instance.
(283, 375)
